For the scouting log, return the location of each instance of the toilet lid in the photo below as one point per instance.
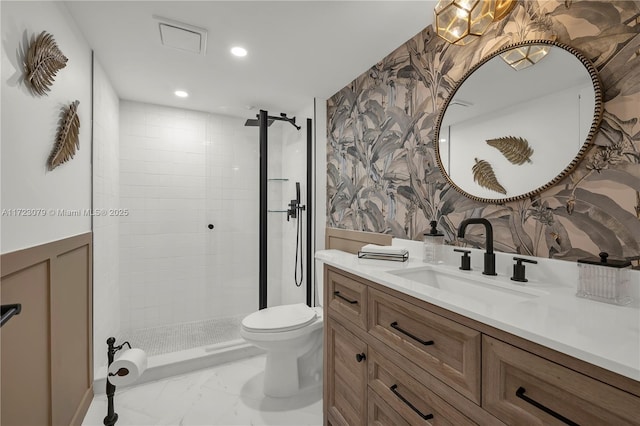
(280, 318)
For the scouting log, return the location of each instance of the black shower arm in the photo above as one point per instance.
(283, 117)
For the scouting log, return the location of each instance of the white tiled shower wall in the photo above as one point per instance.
(181, 170)
(106, 195)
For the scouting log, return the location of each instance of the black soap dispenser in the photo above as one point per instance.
(433, 242)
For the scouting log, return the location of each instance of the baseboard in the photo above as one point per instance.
(81, 412)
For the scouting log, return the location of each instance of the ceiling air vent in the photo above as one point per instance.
(182, 36)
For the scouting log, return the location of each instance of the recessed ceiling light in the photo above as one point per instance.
(239, 51)
(181, 93)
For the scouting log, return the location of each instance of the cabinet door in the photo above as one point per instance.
(523, 389)
(345, 376)
(26, 384)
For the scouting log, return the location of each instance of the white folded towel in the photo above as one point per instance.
(374, 248)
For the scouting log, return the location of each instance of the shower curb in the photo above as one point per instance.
(182, 362)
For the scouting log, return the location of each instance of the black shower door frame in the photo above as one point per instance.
(264, 117)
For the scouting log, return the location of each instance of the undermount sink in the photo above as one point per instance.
(475, 287)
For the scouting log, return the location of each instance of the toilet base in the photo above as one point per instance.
(280, 379)
(286, 373)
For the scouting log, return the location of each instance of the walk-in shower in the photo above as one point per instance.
(191, 257)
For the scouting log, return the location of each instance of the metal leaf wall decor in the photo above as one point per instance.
(44, 59)
(67, 140)
(484, 175)
(516, 150)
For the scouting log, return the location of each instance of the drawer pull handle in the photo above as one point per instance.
(417, 339)
(520, 394)
(361, 357)
(394, 389)
(337, 294)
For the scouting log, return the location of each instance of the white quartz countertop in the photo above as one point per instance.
(599, 333)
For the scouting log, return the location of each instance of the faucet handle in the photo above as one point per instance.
(465, 260)
(519, 269)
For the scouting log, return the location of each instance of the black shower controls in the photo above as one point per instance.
(294, 205)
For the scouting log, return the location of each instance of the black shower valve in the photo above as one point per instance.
(292, 211)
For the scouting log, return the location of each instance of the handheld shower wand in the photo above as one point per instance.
(292, 212)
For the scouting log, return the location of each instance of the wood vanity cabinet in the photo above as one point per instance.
(348, 384)
(515, 381)
(394, 360)
(380, 368)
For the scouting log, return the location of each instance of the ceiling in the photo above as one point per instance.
(297, 50)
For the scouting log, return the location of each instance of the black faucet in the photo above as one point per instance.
(489, 256)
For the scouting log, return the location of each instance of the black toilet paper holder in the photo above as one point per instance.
(112, 416)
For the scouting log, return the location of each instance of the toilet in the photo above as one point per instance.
(292, 337)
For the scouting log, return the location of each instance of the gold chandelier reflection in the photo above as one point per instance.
(524, 57)
(463, 21)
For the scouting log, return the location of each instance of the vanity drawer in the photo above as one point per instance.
(409, 398)
(445, 349)
(381, 414)
(521, 388)
(347, 298)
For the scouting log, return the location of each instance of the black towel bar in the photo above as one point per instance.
(8, 311)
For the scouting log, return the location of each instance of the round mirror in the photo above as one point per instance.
(518, 121)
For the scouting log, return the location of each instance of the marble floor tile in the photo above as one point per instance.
(227, 394)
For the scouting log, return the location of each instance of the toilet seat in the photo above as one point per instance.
(279, 319)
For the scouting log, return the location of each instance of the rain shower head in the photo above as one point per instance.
(255, 122)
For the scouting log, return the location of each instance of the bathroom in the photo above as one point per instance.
(179, 253)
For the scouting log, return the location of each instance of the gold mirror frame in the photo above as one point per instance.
(598, 111)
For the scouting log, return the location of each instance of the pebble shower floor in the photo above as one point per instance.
(178, 337)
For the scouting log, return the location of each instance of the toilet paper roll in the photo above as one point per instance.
(128, 368)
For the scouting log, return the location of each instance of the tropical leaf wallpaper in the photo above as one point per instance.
(381, 166)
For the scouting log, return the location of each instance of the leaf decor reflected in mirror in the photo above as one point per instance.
(516, 150)
(44, 59)
(483, 174)
(67, 140)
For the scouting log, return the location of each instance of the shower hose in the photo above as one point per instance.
(298, 281)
